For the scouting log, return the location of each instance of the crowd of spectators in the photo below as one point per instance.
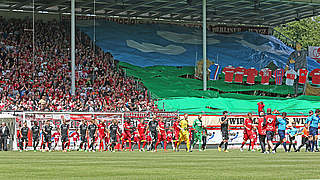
(39, 78)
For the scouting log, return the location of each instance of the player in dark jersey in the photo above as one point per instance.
(270, 122)
(224, 131)
(64, 131)
(24, 136)
(47, 130)
(154, 128)
(35, 135)
(92, 129)
(113, 133)
(83, 135)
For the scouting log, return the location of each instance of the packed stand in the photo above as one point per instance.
(43, 83)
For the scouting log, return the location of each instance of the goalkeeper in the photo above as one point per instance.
(184, 133)
(198, 129)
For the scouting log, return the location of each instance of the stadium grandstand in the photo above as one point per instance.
(81, 76)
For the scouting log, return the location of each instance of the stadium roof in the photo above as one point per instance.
(250, 12)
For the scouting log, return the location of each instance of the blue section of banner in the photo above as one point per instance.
(172, 45)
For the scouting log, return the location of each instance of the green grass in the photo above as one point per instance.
(161, 165)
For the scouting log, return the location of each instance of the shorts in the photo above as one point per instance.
(83, 138)
(47, 138)
(92, 139)
(35, 138)
(24, 139)
(126, 136)
(154, 136)
(225, 135)
(102, 136)
(184, 136)
(149, 139)
(142, 137)
(64, 138)
(113, 138)
(247, 135)
(282, 134)
(162, 137)
(270, 135)
(176, 135)
(313, 131)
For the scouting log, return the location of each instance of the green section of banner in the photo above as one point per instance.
(165, 82)
(239, 103)
(185, 95)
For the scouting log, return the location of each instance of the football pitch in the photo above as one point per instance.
(160, 165)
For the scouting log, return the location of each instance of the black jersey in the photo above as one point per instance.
(64, 129)
(224, 126)
(92, 128)
(24, 131)
(83, 129)
(153, 126)
(113, 129)
(47, 129)
(35, 131)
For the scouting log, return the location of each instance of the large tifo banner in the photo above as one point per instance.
(173, 45)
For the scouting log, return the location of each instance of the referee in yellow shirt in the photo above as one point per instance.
(184, 133)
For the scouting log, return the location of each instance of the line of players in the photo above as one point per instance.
(268, 126)
(111, 138)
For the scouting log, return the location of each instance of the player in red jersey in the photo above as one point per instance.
(102, 136)
(262, 132)
(170, 138)
(75, 137)
(135, 135)
(127, 133)
(247, 133)
(142, 134)
(270, 123)
(162, 134)
(56, 137)
(255, 136)
(176, 131)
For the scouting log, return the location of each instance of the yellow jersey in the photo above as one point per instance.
(184, 125)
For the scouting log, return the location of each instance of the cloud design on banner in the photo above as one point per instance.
(149, 47)
(185, 38)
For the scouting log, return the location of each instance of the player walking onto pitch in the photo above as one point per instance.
(162, 136)
(262, 132)
(153, 128)
(102, 136)
(198, 130)
(35, 135)
(83, 135)
(293, 132)
(24, 136)
(224, 131)
(113, 133)
(142, 127)
(184, 133)
(282, 131)
(270, 122)
(176, 132)
(127, 133)
(64, 131)
(47, 130)
(247, 133)
(313, 124)
(92, 129)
